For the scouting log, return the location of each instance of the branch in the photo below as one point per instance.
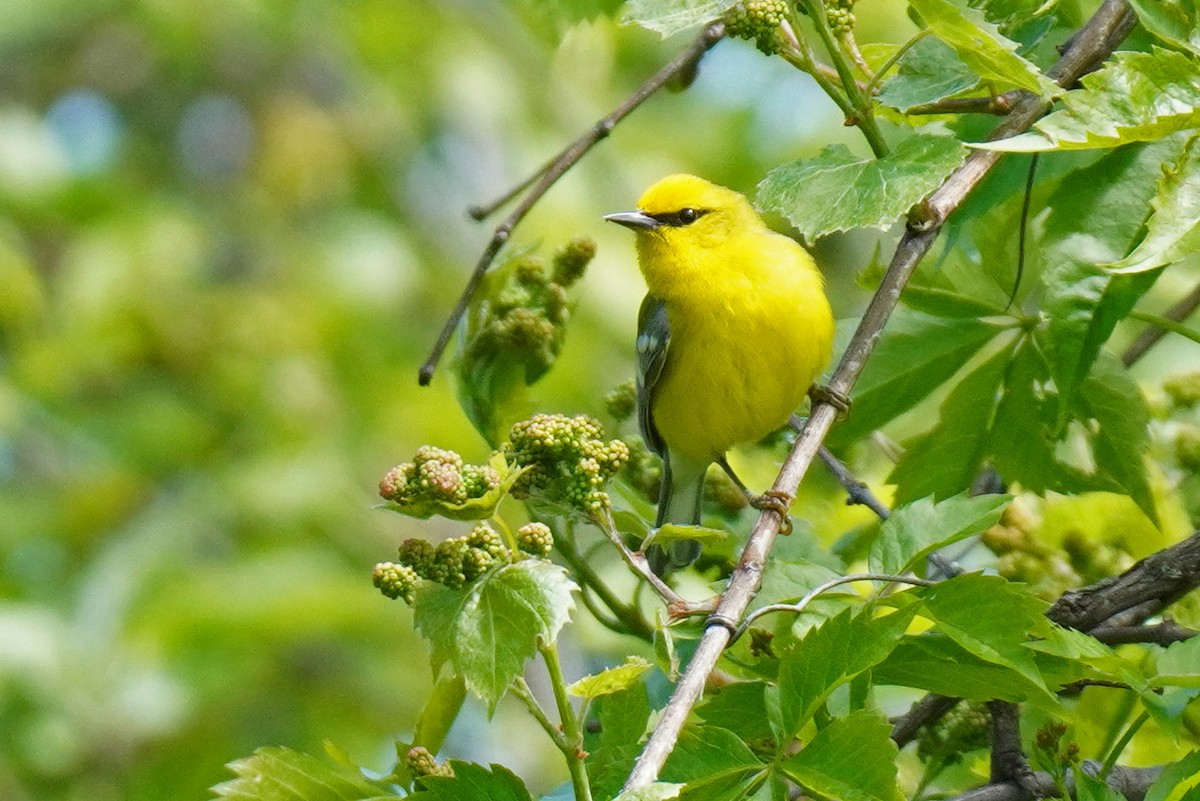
(1009, 763)
(1130, 782)
(1163, 578)
(1090, 47)
(550, 172)
(999, 105)
(1153, 333)
(1164, 634)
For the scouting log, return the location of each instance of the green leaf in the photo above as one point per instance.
(671, 16)
(1177, 665)
(1112, 398)
(989, 617)
(659, 791)
(623, 717)
(838, 191)
(1137, 97)
(916, 354)
(946, 460)
(1176, 22)
(1092, 788)
(281, 774)
(610, 681)
(480, 508)
(673, 532)
(928, 72)
(473, 782)
(832, 654)
(937, 664)
(982, 47)
(1179, 781)
(488, 629)
(711, 761)
(851, 759)
(740, 707)
(915, 531)
(1173, 230)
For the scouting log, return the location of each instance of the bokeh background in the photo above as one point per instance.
(229, 233)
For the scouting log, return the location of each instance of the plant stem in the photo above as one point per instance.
(572, 742)
(627, 614)
(1167, 325)
(862, 113)
(894, 60)
(521, 690)
(1120, 745)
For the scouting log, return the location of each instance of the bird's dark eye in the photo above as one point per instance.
(688, 216)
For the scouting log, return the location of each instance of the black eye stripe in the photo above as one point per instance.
(680, 218)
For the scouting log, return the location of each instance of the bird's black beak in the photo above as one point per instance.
(633, 219)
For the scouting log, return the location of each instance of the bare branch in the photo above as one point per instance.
(550, 172)
(1129, 782)
(1164, 633)
(1152, 334)
(999, 105)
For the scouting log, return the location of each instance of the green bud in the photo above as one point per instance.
(487, 539)
(395, 581)
(535, 539)
(621, 401)
(572, 259)
(398, 482)
(421, 763)
(531, 272)
(1187, 448)
(1184, 390)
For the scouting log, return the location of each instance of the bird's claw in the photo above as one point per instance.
(778, 502)
(836, 399)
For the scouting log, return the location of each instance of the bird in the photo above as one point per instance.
(733, 331)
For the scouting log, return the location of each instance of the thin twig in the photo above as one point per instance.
(525, 695)
(1091, 46)
(677, 606)
(572, 732)
(894, 60)
(548, 174)
(799, 607)
(1152, 334)
(857, 492)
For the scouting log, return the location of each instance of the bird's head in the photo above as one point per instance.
(686, 211)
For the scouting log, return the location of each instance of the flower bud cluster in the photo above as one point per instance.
(569, 462)
(758, 21)
(437, 475)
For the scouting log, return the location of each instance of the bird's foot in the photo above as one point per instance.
(778, 502)
(838, 400)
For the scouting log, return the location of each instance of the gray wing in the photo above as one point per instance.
(653, 337)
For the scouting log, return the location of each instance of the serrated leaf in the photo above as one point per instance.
(480, 508)
(472, 782)
(916, 530)
(668, 17)
(1137, 97)
(623, 717)
(851, 759)
(982, 47)
(1173, 230)
(946, 460)
(488, 629)
(928, 72)
(1093, 788)
(740, 707)
(1112, 398)
(610, 681)
(1176, 22)
(713, 763)
(838, 191)
(916, 354)
(937, 664)
(832, 654)
(1178, 781)
(1087, 657)
(1177, 664)
(989, 617)
(280, 774)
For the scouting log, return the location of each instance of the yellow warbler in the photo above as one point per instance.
(731, 335)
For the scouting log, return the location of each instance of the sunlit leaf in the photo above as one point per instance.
(1173, 230)
(982, 47)
(1179, 781)
(1176, 22)
(612, 680)
(712, 760)
(935, 663)
(671, 16)
(1177, 664)
(281, 774)
(473, 782)
(488, 629)
(837, 191)
(853, 759)
(1137, 97)
(659, 791)
(832, 654)
(916, 530)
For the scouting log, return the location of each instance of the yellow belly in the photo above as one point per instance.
(736, 370)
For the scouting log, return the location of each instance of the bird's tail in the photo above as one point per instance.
(679, 501)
